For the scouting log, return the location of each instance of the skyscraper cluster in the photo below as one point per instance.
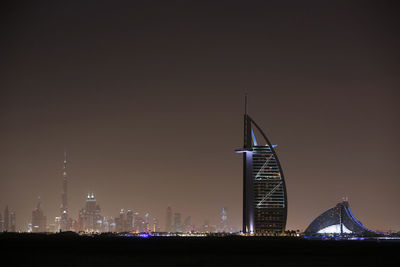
(130, 221)
(174, 223)
(91, 220)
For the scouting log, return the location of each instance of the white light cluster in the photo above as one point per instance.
(334, 229)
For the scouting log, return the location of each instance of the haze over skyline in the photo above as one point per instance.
(147, 100)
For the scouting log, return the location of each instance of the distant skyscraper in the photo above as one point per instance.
(57, 223)
(129, 220)
(264, 190)
(122, 226)
(38, 219)
(206, 227)
(13, 222)
(64, 223)
(106, 225)
(177, 226)
(224, 220)
(146, 221)
(91, 214)
(6, 219)
(156, 225)
(168, 224)
(1, 223)
(139, 223)
(187, 224)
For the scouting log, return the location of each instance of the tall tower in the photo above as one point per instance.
(224, 220)
(129, 220)
(264, 190)
(168, 224)
(64, 197)
(6, 219)
(91, 213)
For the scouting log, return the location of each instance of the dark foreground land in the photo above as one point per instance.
(74, 250)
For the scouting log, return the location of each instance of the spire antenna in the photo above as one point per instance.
(245, 102)
(65, 164)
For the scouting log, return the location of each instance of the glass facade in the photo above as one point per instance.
(269, 194)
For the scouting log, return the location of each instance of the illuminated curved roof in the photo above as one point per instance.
(337, 220)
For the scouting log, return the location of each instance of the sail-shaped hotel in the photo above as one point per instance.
(264, 189)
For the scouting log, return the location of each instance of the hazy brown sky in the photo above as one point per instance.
(147, 99)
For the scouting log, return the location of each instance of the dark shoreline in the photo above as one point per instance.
(68, 249)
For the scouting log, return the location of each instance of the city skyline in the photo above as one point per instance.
(91, 220)
(147, 101)
(89, 217)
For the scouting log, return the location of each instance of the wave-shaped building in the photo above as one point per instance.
(264, 190)
(337, 220)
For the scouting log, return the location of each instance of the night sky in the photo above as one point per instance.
(147, 98)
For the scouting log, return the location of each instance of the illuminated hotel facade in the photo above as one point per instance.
(337, 220)
(264, 190)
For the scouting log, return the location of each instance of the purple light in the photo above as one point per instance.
(241, 151)
(144, 235)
